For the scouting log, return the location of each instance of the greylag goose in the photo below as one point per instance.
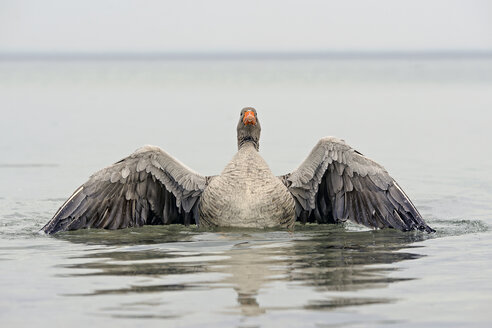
(335, 183)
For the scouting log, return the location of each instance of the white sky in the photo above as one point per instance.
(227, 25)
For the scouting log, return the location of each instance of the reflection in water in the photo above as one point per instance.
(165, 260)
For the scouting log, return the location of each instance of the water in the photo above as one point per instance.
(426, 121)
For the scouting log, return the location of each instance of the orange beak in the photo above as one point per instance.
(249, 118)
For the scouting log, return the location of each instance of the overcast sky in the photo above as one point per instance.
(227, 25)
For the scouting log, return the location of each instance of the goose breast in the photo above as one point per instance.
(247, 194)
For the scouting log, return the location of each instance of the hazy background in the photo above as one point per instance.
(237, 26)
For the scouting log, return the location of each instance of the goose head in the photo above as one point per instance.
(248, 128)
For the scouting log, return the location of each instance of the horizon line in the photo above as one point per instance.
(232, 55)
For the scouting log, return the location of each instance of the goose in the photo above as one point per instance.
(334, 184)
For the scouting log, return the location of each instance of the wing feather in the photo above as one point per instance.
(336, 183)
(147, 187)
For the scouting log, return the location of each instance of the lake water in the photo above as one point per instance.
(428, 121)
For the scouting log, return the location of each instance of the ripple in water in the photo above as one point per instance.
(175, 259)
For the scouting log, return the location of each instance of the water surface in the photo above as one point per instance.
(426, 121)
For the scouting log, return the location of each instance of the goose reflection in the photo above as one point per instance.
(249, 262)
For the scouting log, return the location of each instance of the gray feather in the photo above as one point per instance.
(354, 187)
(147, 187)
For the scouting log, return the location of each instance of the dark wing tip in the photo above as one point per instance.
(63, 217)
(402, 203)
(426, 228)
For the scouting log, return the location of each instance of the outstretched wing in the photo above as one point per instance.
(336, 183)
(148, 187)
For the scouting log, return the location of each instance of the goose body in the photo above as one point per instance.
(334, 184)
(247, 194)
